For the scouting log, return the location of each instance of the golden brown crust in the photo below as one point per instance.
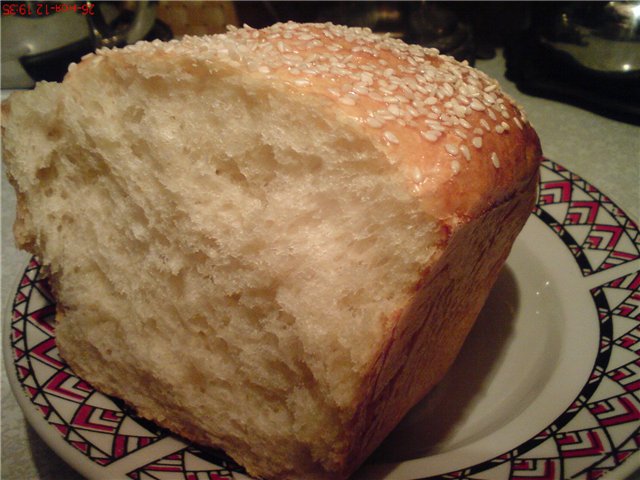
(428, 333)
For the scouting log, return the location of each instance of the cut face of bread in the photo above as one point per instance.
(244, 263)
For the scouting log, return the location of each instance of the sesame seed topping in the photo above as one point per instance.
(347, 100)
(433, 123)
(477, 106)
(460, 110)
(495, 160)
(489, 98)
(460, 133)
(390, 137)
(451, 149)
(418, 176)
(499, 128)
(361, 89)
(455, 166)
(264, 69)
(477, 142)
(431, 135)
(395, 110)
(485, 124)
(465, 152)
(374, 122)
(517, 122)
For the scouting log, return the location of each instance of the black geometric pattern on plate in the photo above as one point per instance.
(598, 233)
(191, 463)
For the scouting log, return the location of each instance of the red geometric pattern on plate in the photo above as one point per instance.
(596, 448)
(458, 475)
(41, 352)
(584, 443)
(542, 469)
(61, 397)
(630, 308)
(629, 341)
(621, 455)
(628, 376)
(604, 238)
(88, 417)
(616, 410)
(66, 385)
(190, 464)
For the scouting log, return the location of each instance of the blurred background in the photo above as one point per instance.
(584, 53)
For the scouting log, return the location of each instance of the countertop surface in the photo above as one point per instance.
(602, 151)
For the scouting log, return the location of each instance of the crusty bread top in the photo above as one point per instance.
(462, 144)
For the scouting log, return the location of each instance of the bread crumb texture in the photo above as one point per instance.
(233, 222)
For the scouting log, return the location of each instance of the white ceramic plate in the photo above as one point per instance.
(547, 385)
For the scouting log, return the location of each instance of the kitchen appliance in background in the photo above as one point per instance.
(41, 39)
(583, 53)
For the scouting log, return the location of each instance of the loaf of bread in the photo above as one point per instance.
(270, 241)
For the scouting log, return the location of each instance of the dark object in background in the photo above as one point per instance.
(40, 40)
(435, 25)
(583, 53)
(465, 30)
(432, 24)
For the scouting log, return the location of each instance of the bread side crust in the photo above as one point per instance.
(429, 332)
